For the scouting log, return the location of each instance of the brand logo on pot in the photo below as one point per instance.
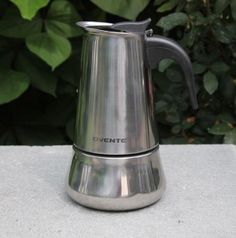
(110, 140)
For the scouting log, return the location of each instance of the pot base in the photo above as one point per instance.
(116, 183)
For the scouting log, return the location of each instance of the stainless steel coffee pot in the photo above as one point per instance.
(116, 163)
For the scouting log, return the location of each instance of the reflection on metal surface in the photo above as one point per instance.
(116, 165)
(109, 183)
(124, 186)
(115, 103)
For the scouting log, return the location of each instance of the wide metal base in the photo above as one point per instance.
(116, 183)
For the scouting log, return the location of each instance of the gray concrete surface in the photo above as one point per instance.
(200, 200)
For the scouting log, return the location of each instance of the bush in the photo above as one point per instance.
(39, 67)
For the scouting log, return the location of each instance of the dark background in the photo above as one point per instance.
(40, 59)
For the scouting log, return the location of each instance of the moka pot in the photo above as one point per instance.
(116, 163)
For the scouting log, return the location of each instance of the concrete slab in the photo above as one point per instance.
(200, 200)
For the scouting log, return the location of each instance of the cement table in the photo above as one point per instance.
(200, 200)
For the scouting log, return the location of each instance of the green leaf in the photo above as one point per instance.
(29, 8)
(63, 29)
(164, 64)
(198, 18)
(219, 67)
(202, 55)
(161, 106)
(220, 129)
(167, 6)
(51, 48)
(190, 37)
(221, 33)
(172, 20)
(220, 5)
(158, 2)
(62, 18)
(233, 8)
(174, 74)
(210, 82)
(12, 25)
(64, 11)
(12, 85)
(173, 115)
(176, 129)
(226, 117)
(40, 75)
(198, 68)
(128, 9)
(230, 137)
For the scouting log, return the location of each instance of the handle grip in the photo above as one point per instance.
(159, 47)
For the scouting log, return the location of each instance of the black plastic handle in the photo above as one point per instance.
(159, 47)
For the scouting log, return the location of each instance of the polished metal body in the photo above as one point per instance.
(115, 113)
(108, 183)
(116, 163)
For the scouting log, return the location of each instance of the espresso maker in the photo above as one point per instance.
(116, 164)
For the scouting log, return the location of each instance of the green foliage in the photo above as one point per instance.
(167, 6)
(52, 48)
(172, 20)
(40, 48)
(61, 19)
(210, 82)
(29, 8)
(12, 84)
(128, 9)
(13, 25)
(40, 75)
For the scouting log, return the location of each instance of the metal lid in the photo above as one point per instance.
(121, 27)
